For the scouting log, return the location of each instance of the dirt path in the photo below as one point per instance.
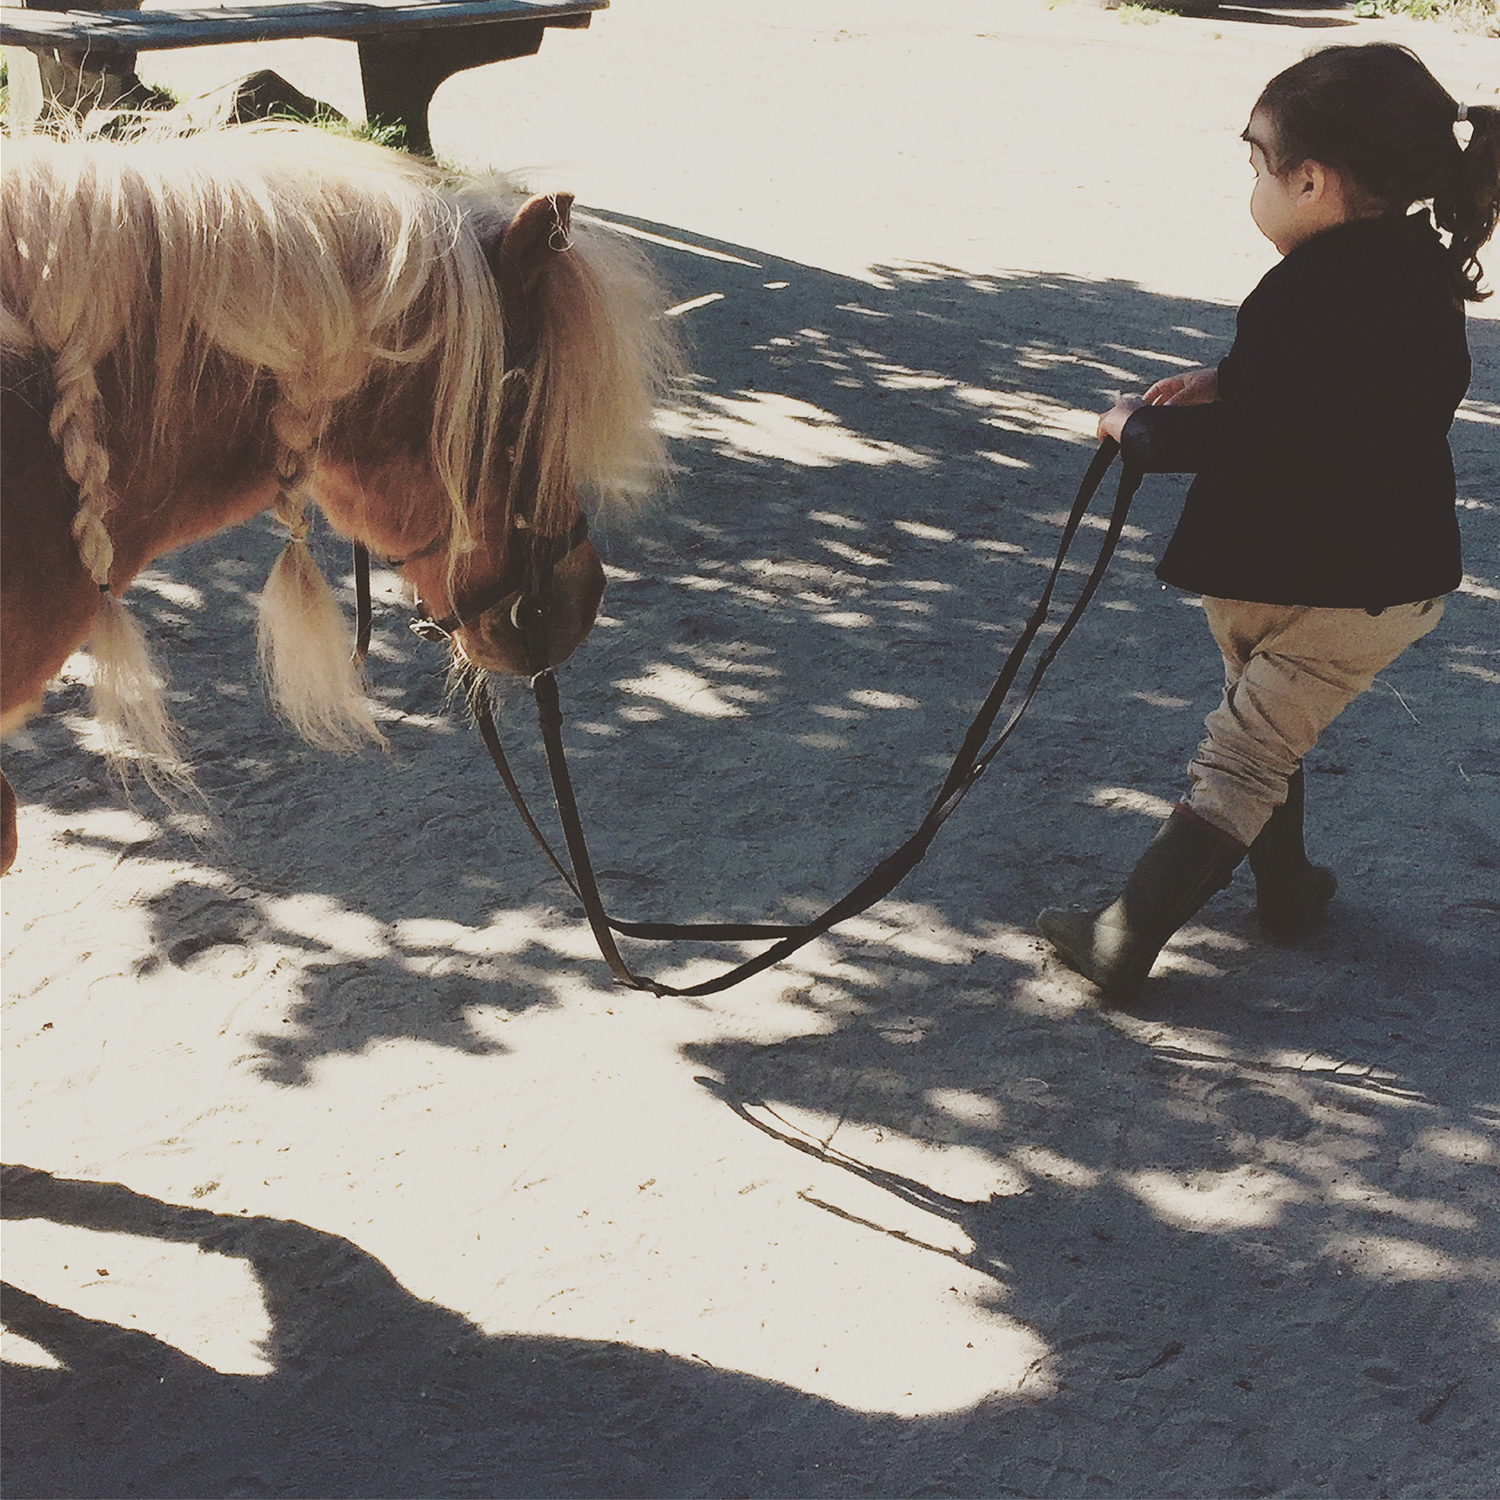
(346, 1172)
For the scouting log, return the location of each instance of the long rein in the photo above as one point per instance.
(969, 764)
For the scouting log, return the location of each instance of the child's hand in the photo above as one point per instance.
(1191, 388)
(1112, 423)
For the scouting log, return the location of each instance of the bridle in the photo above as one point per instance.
(525, 589)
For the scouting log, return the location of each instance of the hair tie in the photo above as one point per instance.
(1463, 114)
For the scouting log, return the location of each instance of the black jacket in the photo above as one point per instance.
(1324, 474)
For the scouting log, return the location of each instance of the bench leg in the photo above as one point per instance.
(401, 75)
(73, 81)
(25, 101)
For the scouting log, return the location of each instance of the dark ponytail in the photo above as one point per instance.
(1470, 207)
(1386, 126)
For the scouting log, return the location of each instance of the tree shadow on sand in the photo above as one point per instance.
(372, 1391)
(874, 473)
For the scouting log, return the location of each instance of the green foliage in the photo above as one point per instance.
(377, 132)
(1149, 12)
(1418, 10)
(1482, 16)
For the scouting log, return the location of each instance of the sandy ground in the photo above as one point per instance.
(339, 1167)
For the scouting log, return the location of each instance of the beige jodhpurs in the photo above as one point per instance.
(1289, 672)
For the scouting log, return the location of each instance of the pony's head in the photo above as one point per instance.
(583, 356)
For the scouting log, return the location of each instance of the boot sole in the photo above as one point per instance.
(1297, 915)
(1073, 944)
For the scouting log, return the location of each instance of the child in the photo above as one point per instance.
(1320, 528)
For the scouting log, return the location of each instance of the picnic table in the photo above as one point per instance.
(406, 47)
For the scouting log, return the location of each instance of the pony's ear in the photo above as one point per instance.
(541, 228)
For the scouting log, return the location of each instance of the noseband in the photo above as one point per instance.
(526, 584)
(524, 589)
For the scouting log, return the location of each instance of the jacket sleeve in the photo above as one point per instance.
(1272, 382)
(1174, 439)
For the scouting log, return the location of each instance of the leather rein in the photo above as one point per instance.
(969, 764)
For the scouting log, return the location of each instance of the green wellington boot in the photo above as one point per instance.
(1291, 892)
(1182, 867)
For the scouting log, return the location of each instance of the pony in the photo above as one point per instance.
(198, 328)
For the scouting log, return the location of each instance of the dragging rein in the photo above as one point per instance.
(969, 764)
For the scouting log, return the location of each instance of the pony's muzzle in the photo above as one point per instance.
(512, 640)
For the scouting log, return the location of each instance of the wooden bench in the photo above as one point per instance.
(406, 47)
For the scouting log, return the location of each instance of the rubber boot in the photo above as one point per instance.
(1291, 892)
(1182, 867)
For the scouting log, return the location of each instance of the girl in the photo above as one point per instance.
(1320, 528)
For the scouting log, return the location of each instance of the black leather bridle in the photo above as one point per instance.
(969, 764)
(524, 589)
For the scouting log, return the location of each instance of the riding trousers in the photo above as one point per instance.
(1288, 674)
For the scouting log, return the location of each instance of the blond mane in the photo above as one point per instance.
(313, 262)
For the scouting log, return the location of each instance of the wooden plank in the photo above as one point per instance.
(161, 30)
